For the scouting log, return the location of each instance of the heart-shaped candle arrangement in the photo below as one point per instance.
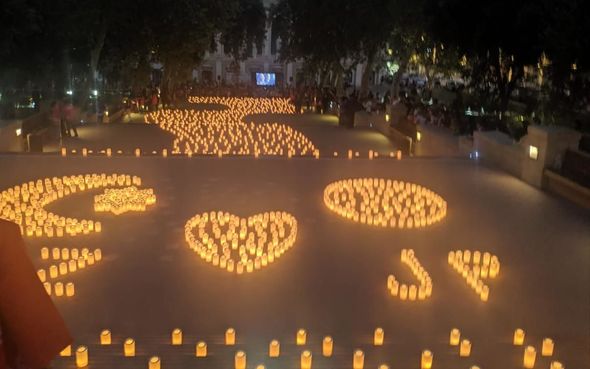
(385, 203)
(241, 244)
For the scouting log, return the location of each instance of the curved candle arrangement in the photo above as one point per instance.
(224, 132)
(241, 245)
(412, 292)
(385, 202)
(475, 267)
(24, 204)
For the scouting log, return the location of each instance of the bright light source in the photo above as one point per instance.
(69, 92)
(533, 152)
(19, 131)
(95, 92)
(418, 136)
(387, 117)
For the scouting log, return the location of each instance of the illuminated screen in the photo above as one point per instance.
(265, 79)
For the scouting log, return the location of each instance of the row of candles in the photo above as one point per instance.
(244, 245)
(72, 261)
(25, 204)
(475, 267)
(224, 132)
(122, 200)
(306, 357)
(412, 292)
(385, 202)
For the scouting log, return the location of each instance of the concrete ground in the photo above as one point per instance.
(333, 281)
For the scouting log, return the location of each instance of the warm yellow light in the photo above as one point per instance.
(230, 336)
(44, 253)
(358, 359)
(301, 337)
(67, 351)
(56, 253)
(465, 348)
(387, 117)
(138, 152)
(306, 359)
(177, 337)
(58, 289)
(455, 336)
(105, 337)
(547, 349)
(418, 136)
(533, 152)
(530, 355)
(274, 348)
(42, 275)
(556, 365)
(47, 287)
(378, 337)
(82, 357)
(70, 289)
(426, 359)
(518, 337)
(129, 347)
(327, 346)
(201, 349)
(154, 363)
(240, 360)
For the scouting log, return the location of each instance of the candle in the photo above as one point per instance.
(547, 349)
(70, 291)
(358, 359)
(63, 268)
(454, 337)
(465, 348)
(72, 265)
(327, 346)
(378, 337)
(530, 354)
(274, 348)
(59, 289)
(98, 254)
(56, 253)
(177, 337)
(518, 337)
(47, 286)
(154, 363)
(42, 275)
(82, 357)
(426, 360)
(230, 337)
(201, 349)
(44, 253)
(301, 337)
(65, 253)
(240, 360)
(556, 365)
(105, 337)
(129, 347)
(67, 351)
(306, 359)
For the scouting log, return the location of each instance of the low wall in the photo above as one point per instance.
(437, 141)
(561, 186)
(9, 141)
(379, 123)
(498, 149)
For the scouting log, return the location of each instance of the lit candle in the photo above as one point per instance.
(301, 337)
(42, 275)
(70, 290)
(426, 360)
(327, 346)
(465, 348)
(240, 360)
(47, 286)
(518, 337)
(63, 268)
(530, 354)
(230, 337)
(154, 363)
(556, 365)
(403, 292)
(72, 265)
(201, 349)
(547, 349)
(454, 337)
(67, 351)
(82, 357)
(98, 254)
(129, 347)
(105, 337)
(56, 253)
(65, 253)
(378, 337)
(306, 359)
(177, 337)
(358, 359)
(44, 253)
(59, 289)
(274, 348)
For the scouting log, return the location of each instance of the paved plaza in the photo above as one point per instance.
(333, 281)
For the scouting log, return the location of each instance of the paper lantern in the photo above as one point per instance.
(547, 349)
(98, 254)
(70, 290)
(129, 347)
(240, 360)
(55, 253)
(177, 337)
(47, 287)
(201, 349)
(274, 348)
(455, 336)
(67, 351)
(306, 359)
(518, 337)
(44, 253)
(154, 363)
(403, 292)
(42, 275)
(63, 268)
(82, 357)
(230, 336)
(72, 265)
(301, 337)
(105, 337)
(556, 365)
(59, 289)
(465, 348)
(426, 359)
(383, 366)
(327, 346)
(530, 354)
(358, 359)
(137, 152)
(378, 337)
(74, 254)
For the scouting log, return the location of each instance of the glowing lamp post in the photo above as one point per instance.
(530, 355)
(327, 346)
(240, 360)
(201, 349)
(82, 357)
(274, 348)
(306, 359)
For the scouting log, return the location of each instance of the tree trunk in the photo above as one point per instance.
(396, 80)
(364, 90)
